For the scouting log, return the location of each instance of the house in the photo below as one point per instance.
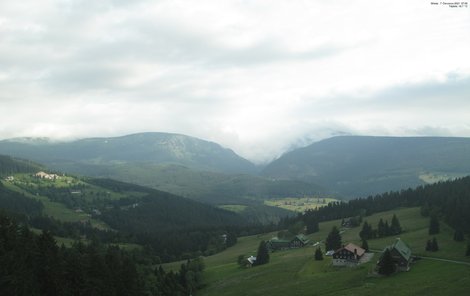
(277, 244)
(348, 255)
(297, 241)
(44, 175)
(251, 260)
(401, 255)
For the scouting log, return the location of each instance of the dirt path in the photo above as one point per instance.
(433, 258)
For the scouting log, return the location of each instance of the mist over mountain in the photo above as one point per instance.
(148, 148)
(178, 164)
(361, 165)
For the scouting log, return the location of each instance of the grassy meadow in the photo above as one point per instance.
(295, 272)
(299, 204)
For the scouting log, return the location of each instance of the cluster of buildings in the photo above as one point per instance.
(349, 254)
(46, 176)
(297, 241)
(352, 255)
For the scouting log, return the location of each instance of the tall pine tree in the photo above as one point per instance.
(458, 235)
(366, 232)
(435, 246)
(263, 254)
(318, 254)
(395, 227)
(433, 225)
(365, 245)
(386, 265)
(333, 241)
(381, 228)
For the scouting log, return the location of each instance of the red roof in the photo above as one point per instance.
(351, 247)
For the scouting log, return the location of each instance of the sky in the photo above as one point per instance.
(259, 77)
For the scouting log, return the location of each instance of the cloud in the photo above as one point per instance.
(257, 77)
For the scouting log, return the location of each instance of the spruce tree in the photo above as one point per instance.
(386, 265)
(395, 227)
(365, 245)
(458, 235)
(433, 225)
(381, 228)
(263, 254)
(467, 253)
(428, 245)
(318, 254)
(366, 231)
(387, 231)
(311, 224)
(333, 241)
(435, 246)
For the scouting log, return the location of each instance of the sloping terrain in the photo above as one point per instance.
(354, 166)
(179, 164)
(148, 148)
(295, 272)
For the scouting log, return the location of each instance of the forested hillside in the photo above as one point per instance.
(118, 212)
(149, 148)
(179, 164)
(9, 165)
(353, 166)
(448, 200)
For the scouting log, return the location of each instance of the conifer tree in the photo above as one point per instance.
(458, 235)
(311, 223)
(433, 225)
(381, 228)
(435, 246)
(365, 245)
(263, 254)
(467, 253)
(365, 231)
(333, 241)
(428, 245)
(318, 254)
(386, 265)
(395, 227)
(387, 231)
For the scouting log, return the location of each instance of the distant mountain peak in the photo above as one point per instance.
(149, 147)
(363, 165)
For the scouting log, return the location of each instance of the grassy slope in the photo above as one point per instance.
(55, 209)
(295, 272)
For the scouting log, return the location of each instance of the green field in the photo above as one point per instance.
(233, 208)
(294, 272)
(299, 204)
(53, 209)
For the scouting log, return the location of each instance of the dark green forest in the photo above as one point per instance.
(448, 200)
(35, 265)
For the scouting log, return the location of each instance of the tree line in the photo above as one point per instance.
(449, 200)
(34, 265)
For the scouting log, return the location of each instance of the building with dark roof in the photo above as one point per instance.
(297, 241)
(401, 255)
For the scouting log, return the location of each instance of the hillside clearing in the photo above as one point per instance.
(294, 272)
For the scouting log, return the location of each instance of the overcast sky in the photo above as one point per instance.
(256, 76)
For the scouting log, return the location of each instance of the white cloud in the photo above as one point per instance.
(258, 77)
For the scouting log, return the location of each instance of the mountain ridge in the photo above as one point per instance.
(149, 147)
(362, 165)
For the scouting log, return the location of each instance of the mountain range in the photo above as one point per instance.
(343, 166)
(148, 148)
(360, 165)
